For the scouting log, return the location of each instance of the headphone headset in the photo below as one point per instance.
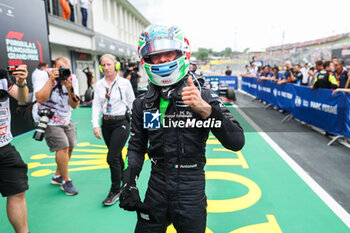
(117, 67)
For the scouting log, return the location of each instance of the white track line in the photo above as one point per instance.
(328, 200)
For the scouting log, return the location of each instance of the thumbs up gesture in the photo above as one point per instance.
(192, 97)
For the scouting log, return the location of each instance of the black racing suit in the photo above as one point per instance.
(176, 188)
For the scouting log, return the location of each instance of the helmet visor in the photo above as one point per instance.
(158, 45)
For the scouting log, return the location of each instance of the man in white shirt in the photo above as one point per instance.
(55, 91)
(305, 71)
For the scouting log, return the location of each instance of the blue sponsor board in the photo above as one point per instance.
(320, 108)
(317, 107)
(250, 85)
(347, 116)
(218, 81)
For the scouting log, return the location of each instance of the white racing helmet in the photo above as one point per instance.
(155, 39)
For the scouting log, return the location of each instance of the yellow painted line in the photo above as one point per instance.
(45, 172)
(104, 151)
(234, 204)
(44, 156)
(239, 161)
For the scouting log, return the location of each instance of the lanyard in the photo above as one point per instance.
(109, 90)
(108, 95)
(336, 74)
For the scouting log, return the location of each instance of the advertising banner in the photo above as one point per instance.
(215, 82)
(347, 116)
(317, 107)
(23, 40)
(265, 91)
(284, 95)
(231, 81)
(320, 108)
(250, 85)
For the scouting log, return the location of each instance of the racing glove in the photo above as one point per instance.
(129, 197)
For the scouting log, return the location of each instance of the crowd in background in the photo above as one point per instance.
(330, 74)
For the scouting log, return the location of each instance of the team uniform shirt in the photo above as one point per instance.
(279, 76)
(341, 77)
(287, 76)
(266, 74)
(5, 117)
(57, 102)
(120, 94)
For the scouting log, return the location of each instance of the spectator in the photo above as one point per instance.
(259, 71)
(314, 71)
(266, 73)
(288, 75)
(133, 75)
(246, 74)
(65, 9)
(276, 74)
(254, 70)
(176, 191)
(72, 4)
(325, 78)
(13, 171)
(113, 97)
(250, 71)
(84, 6)
(58, 95)
(305, 70)
(289, 71)
(340, 74)
(298, 75)
(228, 72)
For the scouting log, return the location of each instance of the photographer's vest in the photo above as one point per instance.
(5, 117)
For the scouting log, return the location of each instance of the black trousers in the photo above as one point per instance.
(115, 133)
(175, 196)
(71, 17)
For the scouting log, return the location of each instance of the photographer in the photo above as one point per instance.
(288, 75)
(133, 75)
(56, 93)
(13, 171)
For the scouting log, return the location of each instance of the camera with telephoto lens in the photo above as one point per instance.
(64, 73)
(45, 115)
